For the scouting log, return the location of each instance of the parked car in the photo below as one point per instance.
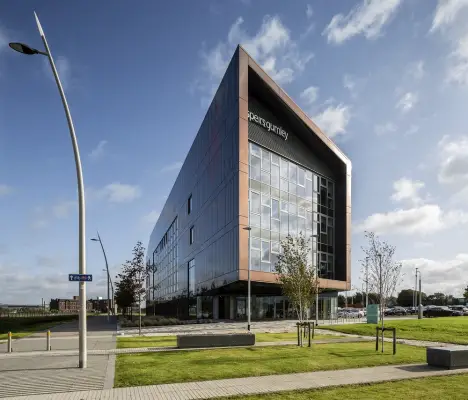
(461, 309)
(440, 311)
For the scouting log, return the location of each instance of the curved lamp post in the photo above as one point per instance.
(25, 49)
(109, 282)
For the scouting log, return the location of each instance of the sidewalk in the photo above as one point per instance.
(255, 385)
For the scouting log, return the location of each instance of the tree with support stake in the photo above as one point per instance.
(298, 278)
(384, 273)
(132, 280)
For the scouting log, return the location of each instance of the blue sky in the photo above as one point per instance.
(387, 80)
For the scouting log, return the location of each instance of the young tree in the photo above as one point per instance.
(465, 294)
(124, 295)
(133, 278)
(384, 272)
(296, 274)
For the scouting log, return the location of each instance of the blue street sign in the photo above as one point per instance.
(80, 277)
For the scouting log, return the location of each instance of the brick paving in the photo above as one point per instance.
(254, 385)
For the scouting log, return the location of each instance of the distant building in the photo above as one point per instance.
(69, 305)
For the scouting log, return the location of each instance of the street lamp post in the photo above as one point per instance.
(381, 298)
(367, 282)
(25, 49)
(108, 275)
(248, 228)
(420, 311)
(415, 293)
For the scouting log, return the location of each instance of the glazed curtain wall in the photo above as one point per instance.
(286, 198)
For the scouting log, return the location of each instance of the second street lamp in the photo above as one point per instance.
(108, 275)
(25, 49)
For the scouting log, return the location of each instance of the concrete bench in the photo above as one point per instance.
(215, 340)
(447, 357)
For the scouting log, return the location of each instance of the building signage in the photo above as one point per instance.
(268, 125)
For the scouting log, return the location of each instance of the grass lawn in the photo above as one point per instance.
(186, 366)
(448, 330)
(171, 341)
(440, 387)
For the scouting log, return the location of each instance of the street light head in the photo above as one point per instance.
(247, 228)
(95, 240)
(23, 48)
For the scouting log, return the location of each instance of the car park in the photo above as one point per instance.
(440, 311)
(462, 309)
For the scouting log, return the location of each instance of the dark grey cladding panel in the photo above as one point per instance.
(293, 148)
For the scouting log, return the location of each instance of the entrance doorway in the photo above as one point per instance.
(221, 307)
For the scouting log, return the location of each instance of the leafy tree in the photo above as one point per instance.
(296, 274)
(124, 294)
(405, 297)
(465, 294)
(384, 273)
(132, 279)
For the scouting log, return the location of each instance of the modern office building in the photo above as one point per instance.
(256, 161)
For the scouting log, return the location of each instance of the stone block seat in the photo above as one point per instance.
(448, 357)
(215, 340)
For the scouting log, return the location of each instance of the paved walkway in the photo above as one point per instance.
(26, 371)
(255, 385)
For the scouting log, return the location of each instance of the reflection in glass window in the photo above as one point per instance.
(265, 160)
(265, 251)
(265, 200)
(254, 149)
(301, 176)
(255, 202)
(275, 247)
(255, 243)
(284, 206)
(274, 159)
(265, 217)
(255, 219)
(274, 208)
(255, 259)
(292, 172)
(275, 179)
(275, 225)
(284, 168)
(265, 177)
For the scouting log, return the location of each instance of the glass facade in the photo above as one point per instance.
(278, 307)
(165, 266)
(285, 198)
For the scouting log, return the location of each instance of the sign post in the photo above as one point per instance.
(373, 314)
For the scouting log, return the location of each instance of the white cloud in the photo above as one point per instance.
(367, 18)
(119, 193)
(450, 19)
(407, 101)
(457, 71)
(309, 95)
(49, 261)
(350, 84)
(151, 218)
(412, 130)
(175, 166)
(333, 120)
(416, 69)
(446, 13)
(39, 223)
(63, 209)
(453, 166)
(309, 11)
(423, 220)
(5, 190)
(272, 47)
(407, 190)
(384, 129)
(446, 276)
(98, 151)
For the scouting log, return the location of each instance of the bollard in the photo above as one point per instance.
(49, 347)
(9, 342)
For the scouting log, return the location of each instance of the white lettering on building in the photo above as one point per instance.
(268, 125)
